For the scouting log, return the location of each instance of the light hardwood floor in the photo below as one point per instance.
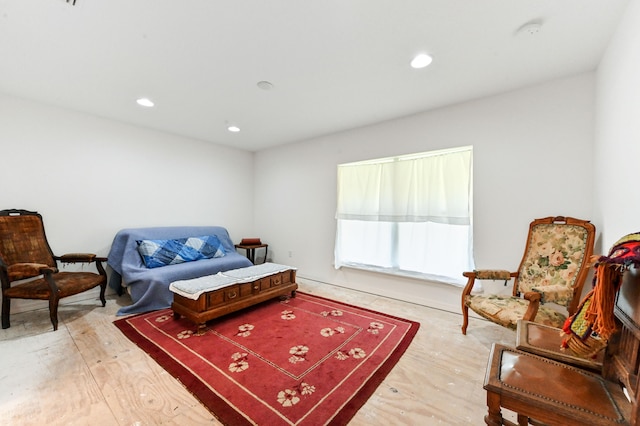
(89, 373)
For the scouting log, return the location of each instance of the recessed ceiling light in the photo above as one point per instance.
(145, 102)
(421, 60)
(234, 129)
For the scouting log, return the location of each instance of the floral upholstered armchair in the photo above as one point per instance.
(554, 268)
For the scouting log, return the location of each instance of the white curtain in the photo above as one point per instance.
(409, 215)
(431, 188)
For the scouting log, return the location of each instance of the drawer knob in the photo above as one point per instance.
(232, 294)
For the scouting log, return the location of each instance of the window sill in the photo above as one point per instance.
(458, 282)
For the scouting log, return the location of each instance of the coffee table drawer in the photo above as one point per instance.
(276, 280)
(221, 296)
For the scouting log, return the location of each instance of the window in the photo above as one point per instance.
(407, 215)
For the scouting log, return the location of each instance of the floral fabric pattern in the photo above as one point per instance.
(185, 334)
(333, 313)
(240, 362)
(375, 327)
(299, 353)
(288, 315)
(244, 330)
(553, 258)
(163, 318)
(288, 397)
(507, 310)
(491, 274)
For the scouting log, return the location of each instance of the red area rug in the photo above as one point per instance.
(301, 361)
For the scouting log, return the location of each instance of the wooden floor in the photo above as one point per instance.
(88, 373)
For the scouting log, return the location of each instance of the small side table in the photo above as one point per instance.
(251, 251)
(545, 341)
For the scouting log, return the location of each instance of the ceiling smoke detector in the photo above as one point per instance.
(530, 29)
(265, 85)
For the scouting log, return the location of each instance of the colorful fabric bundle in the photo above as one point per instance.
(588, 330)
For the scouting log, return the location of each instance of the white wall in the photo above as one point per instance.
(90, 177)
(617, 141)
(532, 158)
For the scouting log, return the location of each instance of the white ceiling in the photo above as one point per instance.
(334, 64)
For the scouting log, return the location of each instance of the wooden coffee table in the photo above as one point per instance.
(206, 298)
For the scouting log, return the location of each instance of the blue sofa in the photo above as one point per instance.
(149, 287)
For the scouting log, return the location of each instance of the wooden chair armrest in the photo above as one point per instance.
(558, 294)
(534, 303)
(19, 271)
(494, 274)
(471, 278)
(77, 257)
(485, 274)
(84, 258)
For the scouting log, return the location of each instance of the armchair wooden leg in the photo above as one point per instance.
(471, 278)
(465, 318)
(103, 287)
(53, 310)
(6, 309)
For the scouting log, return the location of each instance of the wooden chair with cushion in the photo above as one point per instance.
(553, 269)
(28, 267)
(544, 391)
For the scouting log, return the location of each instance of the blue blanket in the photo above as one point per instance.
(149, 288)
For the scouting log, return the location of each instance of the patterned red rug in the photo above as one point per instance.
(301, 361)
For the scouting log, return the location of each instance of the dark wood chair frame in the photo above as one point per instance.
(544, 391)
(22, 237)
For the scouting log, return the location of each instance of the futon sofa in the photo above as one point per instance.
(147, 281)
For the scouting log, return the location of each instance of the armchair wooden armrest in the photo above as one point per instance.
(485, 274)
(84, 258)
(77, 257)
(534, 303)
(19, 271)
